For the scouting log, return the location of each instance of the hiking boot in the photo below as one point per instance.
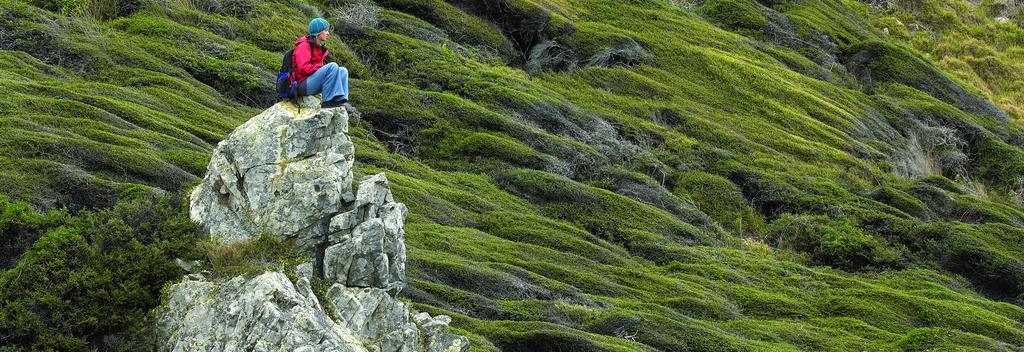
(333, 103)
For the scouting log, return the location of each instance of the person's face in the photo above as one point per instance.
(322, 36)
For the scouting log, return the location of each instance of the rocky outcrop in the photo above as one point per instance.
(368, 242)
(285, 172)
(372, 315)
(288, 172)
(271, 313)
(265, 313)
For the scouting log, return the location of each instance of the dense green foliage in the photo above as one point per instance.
(90, 280)
(580, 174)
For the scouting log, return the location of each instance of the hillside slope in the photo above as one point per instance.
(580, 174)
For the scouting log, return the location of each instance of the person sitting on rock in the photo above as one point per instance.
(310, 72)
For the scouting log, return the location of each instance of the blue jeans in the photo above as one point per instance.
(331, 80)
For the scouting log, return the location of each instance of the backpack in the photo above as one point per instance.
(285, 86)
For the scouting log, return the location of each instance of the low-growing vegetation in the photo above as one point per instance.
(90, 280)
(824, 175)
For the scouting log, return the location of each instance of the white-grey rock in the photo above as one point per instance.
(436, 337)
(369, 313)
(288, 172)
(374, 190)
(447, 342)
(283, 172)
(311, 102)
(376, 318)
(264, 313)
(269, 313)
(368, 241)
(190, 266)
(364, 259)
(404, 339)
(305, 270)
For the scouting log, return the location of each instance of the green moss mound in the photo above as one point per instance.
(876, 62)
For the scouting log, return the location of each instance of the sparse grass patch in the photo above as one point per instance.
(250, 257)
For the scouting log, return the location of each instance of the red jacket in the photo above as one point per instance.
(306, 61)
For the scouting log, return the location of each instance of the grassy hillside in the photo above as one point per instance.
(581, 175)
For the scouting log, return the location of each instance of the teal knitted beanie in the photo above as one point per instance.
(318, 25)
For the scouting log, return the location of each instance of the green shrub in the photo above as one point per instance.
(21, 226)
(411, 26)
(549, 337)
(459, 26)
(469, 150)
(977, 253)
(527, 228)
(607, 215)
(902, 201)
(933, 339)
(539, 35)
(90, 282)
(877, 62)
(756, 303)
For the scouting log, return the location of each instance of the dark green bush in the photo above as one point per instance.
(111, 9)
(770, 196)
(977, 253)
(408, 25)
(942, 183)
(24, 28)
(470, 150)
(465, 302)
(90, 282)
(460, 26)
(548, 337)
(537, 34)
(20, 226)
(902, 201)
(642, 229)
(64, 7)
(943, 339)
(237, 8)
